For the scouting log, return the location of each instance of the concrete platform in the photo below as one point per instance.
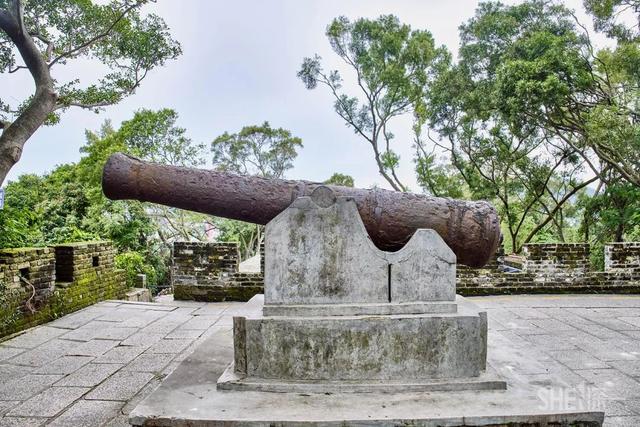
(189, 397)
(229, 380)
(381, 309)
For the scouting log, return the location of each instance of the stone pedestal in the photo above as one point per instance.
(341, 314)
(345, 325)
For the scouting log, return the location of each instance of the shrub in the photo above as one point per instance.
(134, 263)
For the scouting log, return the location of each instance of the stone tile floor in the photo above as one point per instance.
(92, 367)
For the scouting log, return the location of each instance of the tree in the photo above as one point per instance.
(613, 214)
(528, 169)
(609, 17)
(340, 179)
(68, 204)
(48, 34)
(21, 218)
(153, 136)
(437, 178)
(255, 150)
(392, 66)
(547, 75)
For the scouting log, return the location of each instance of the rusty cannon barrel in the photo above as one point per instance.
(471, 229)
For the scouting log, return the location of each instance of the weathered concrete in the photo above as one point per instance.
(381, 309)
(318, 252)
(400, 347)
(423, 270)
(322, 255)
(230, 380)
(339, 309)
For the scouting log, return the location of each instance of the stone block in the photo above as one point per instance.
(423, 270)
(49, 402)
(122, 385)
(308, 260)
(93, 348)
(88, 413)
(64, 365)
(150, 362)
(24, 387)
(120, 354)
(336, 348)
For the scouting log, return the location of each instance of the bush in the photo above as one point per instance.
(134, 263)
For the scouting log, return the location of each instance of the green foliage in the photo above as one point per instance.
(441, 180)
(392, 64)
(256, 150)
(609, 16)
(21, 218)
(9, 306)
(114, 33)
(340, 179)
(68, 205)
(531, 68)
(613, 215)
(134, 263)
(519, 67)
(154, 136)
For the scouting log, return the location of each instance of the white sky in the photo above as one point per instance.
(239, 68)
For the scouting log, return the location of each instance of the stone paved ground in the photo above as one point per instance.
(92, 367)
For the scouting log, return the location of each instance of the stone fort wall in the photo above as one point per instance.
(557, 268)
(40, 284)
(209, 272)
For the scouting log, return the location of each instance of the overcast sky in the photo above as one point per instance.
(239, 68)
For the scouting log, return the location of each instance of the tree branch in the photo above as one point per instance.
(558, 206)
(69, 53)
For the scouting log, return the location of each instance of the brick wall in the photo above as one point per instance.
(556, 257)
(31, 289)
(29, 267)
(75, 260)
(209, 272)
(558, 268)
(622, 257)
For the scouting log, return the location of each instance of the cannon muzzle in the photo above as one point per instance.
(471, 229)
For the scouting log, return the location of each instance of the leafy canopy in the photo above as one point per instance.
(340, 179)
(518, 67)
(114, 33)
(392, 65)
(256, 150)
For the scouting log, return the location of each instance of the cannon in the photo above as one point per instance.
(470, 228)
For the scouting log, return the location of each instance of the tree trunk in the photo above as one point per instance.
(619, 232)
(16, 134)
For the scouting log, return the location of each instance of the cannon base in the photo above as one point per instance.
(422, 351)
